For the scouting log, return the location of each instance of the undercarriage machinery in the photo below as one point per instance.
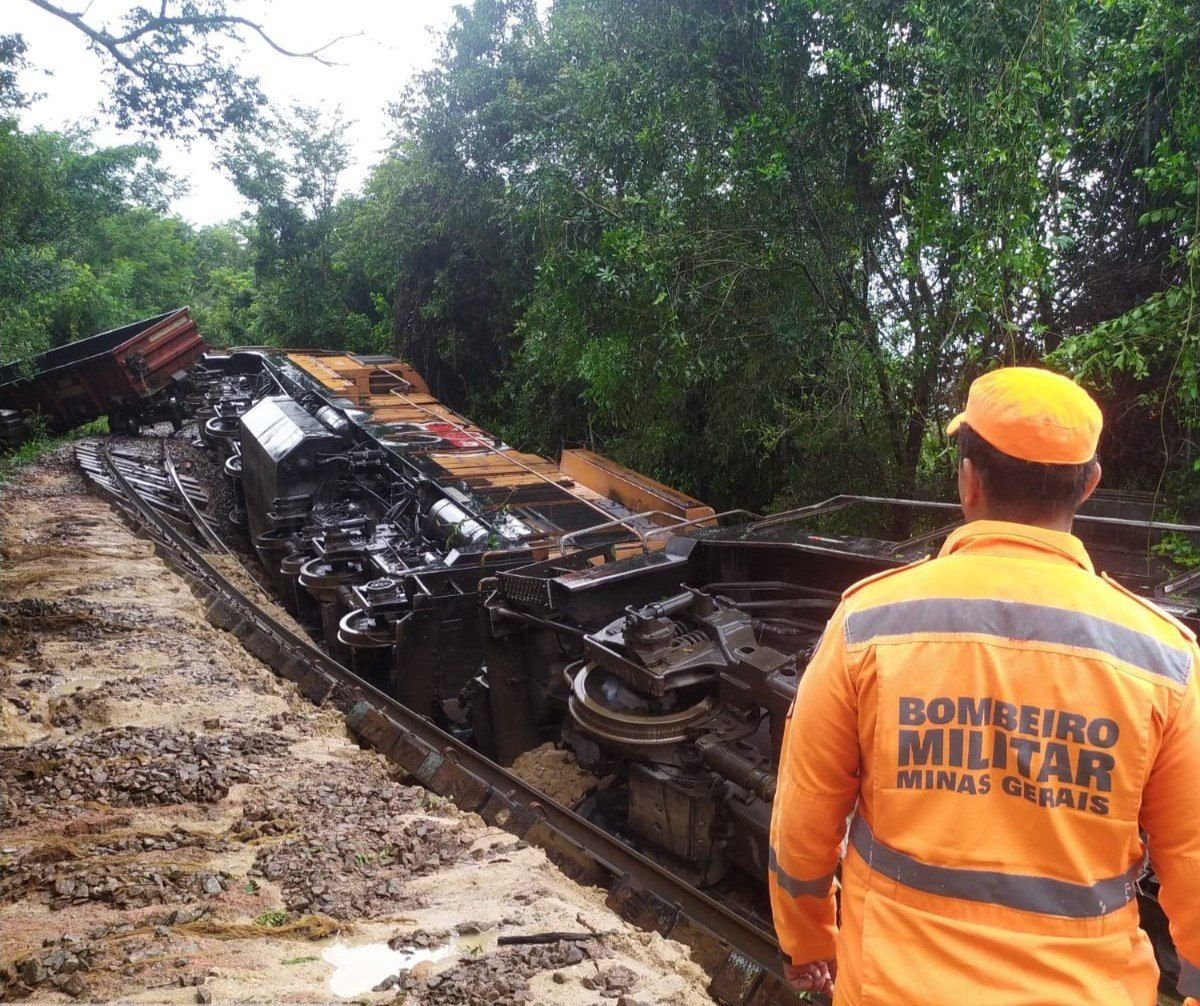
(516, 602)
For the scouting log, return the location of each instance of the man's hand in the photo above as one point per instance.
(816, 976)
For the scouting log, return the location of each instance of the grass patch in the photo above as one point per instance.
(299, 960)
(273, 919)
(384, 856)
(41, 443)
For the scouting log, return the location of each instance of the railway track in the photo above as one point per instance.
(740, 954)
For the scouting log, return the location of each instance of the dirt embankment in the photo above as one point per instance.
(556, 773)
(179, 825)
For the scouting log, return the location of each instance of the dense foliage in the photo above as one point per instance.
(760, 248)
(755, 248)
(85, 245)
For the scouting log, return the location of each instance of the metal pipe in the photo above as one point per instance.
(723, 760)
(666, 607)
(545, 623)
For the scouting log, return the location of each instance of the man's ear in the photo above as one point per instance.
(1093, 481)
(970, 488)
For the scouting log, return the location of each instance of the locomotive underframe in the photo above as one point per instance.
(666, 659)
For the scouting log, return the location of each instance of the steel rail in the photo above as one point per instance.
(199, 520)
(642, 891)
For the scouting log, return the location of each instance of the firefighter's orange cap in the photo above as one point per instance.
(1034, 415)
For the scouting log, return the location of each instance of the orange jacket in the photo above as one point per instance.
(1006, 721)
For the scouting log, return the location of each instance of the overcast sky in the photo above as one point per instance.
(398, 40)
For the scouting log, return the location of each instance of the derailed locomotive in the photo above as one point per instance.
(515, 602)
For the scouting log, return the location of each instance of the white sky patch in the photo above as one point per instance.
(398, 41)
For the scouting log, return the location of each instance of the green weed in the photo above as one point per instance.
(273, 919)
(1178, 549)
(41, 442)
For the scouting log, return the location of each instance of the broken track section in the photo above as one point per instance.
(741, 954)
(178, 824)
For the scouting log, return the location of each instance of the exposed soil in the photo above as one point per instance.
(236, 569)
(179, 825)
(555, 772)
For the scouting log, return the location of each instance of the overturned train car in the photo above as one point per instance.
(136, 375)
(518, 602)
(377, 512)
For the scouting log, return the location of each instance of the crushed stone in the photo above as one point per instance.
(178, 824)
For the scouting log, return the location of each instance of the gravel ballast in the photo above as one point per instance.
(177, 824)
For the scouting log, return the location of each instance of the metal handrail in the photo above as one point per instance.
(840, 502)
(619, 522)
(825, 506)
(700, 520)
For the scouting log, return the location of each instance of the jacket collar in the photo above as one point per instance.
(998, 537)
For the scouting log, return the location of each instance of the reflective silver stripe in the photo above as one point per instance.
(1011, 890)
(1031, 623)
(1189, 978)
(818, 888)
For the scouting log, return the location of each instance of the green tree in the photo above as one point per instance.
(289, 172)
(1137, 336)
(760, 248)
(222, 284)
(82, 244)
(12, 60)
(439, 235)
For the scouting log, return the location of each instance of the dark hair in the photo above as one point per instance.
(1024, 490)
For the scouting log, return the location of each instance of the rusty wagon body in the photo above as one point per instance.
(129, 374)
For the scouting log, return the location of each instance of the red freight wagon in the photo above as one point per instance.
(130, 374)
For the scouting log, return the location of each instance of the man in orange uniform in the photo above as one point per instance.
(1002, 722)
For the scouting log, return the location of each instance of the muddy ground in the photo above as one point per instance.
(179, 825)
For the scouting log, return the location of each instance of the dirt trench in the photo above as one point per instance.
(179, 825)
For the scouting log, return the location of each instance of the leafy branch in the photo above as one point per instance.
(168, 72)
